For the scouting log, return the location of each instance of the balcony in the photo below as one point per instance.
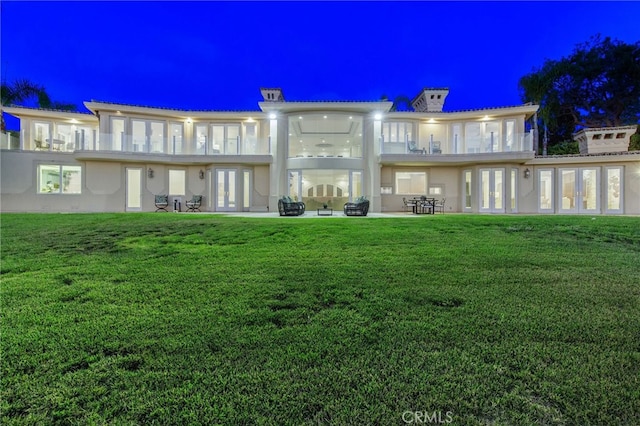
(105, 146)
(458, 151)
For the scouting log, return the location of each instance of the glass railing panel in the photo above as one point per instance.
(9, 141)
(459, 146)
(108, 142)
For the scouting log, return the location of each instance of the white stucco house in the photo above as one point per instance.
(117, 157)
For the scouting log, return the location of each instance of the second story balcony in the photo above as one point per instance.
(458, 151)
(177, 145)
(89, 145)
(514, 143)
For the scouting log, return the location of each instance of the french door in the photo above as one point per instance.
(225, 139)
(579, 190)
(133, 187)
(492, 184)
(226, 190)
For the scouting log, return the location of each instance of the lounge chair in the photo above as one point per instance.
(413, 148)
(194, 203)
(288, 207)
(162, 202)
(360, 207)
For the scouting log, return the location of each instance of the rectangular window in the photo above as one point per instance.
(155, 135)
(139, 136)
(41, 136)
(246, 189)
(614, 189)
(356, 184)
(411, 183)
(456, 132)
(397, 131)
(510, 136)
(177, 182)
(514, 186)
(472, 137)
(54, 179)
(250, 140)
(175, 143)
(118, 141)
(436, 190)
(64, 137)
(492, 137)
(467, 189)
(201, 139)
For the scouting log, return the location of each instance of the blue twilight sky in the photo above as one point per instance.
(216, 55)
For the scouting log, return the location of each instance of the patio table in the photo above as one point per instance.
(424, 205)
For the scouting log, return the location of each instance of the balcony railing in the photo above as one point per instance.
(106, 142)
(9, 141)
(522, 142)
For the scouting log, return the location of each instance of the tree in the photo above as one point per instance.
(598, 85)
(397, 102)
(22, 91)
(634, 143)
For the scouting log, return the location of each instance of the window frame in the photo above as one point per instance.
(398, 190)
(44, 188)
(171, 185)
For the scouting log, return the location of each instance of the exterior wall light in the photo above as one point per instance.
(527, 173)
(378, 116)
(272, 116)
(150, 173)
(201, 174)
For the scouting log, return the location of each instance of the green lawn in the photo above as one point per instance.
(204, 319)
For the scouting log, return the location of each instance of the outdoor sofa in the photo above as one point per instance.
(289, 207)
(359, 207)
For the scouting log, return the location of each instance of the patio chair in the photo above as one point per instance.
(406, 205)
(194, 203)
(162, 202)
(425, 205)
(413, 148)
(439, 206)
(41, 146)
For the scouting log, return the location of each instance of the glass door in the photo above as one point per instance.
(589, 191)
(492, 190)
(225, 187)
(133, 189)
(579, 190)
(225, 139)
(545, 191)
(613, 185)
